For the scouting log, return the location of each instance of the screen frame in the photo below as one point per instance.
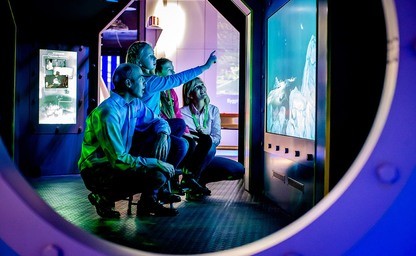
(71, 93)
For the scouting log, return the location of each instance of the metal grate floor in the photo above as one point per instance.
(229, 218)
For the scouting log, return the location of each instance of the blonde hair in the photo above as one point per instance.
(188, 88)
(135, 50)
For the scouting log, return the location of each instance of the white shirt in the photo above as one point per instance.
(213, 124)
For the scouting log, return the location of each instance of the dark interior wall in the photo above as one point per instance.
(55, 25)
(47, 149)
(7, 52)
(357, 48)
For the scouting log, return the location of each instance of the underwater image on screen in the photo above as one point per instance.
(291, 70)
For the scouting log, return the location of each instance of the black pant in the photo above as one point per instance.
(144, 142)
(198, 155)
(116, 184)
(177, 126)
(221, 168)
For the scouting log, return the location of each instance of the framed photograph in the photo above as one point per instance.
(57, 87)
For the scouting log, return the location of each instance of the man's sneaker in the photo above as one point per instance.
(153, 208)
(103, 207)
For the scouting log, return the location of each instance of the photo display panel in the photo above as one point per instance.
(57, 87)
(291, 70)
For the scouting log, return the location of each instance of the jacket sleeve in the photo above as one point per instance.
(111, 141)
(161, 83)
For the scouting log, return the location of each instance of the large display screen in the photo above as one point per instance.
(291, 70)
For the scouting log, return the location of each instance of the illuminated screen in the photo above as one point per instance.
(57, 87)
(291, 70)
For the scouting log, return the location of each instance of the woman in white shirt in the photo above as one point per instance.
(204, 123)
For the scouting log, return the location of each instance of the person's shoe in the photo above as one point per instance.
(103, 207)
(194, 186)
(206, 190)
(153, 208)
(165, 197)
(192, 196)
(177, 189)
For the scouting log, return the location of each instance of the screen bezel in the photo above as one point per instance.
(284, 145)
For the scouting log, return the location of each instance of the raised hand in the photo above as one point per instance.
(211, 59)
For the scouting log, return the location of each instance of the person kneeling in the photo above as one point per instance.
(106, 165)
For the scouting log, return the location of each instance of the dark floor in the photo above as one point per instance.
(229, 218)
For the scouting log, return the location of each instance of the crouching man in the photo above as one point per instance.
(107, 168)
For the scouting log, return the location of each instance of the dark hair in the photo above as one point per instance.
(160, 62)
(123, 72)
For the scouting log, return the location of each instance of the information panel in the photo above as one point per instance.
(57, 87)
